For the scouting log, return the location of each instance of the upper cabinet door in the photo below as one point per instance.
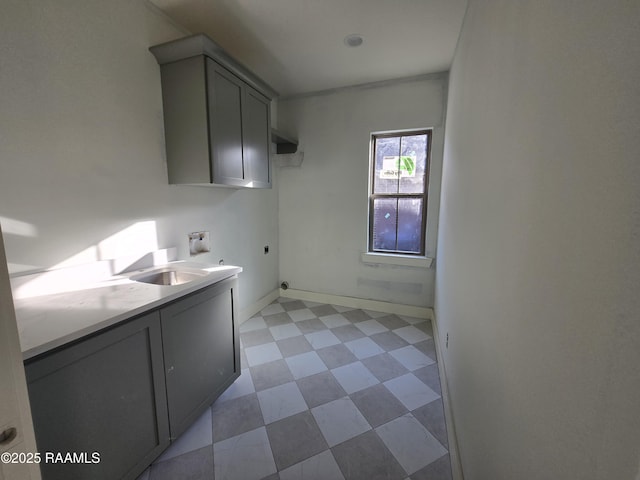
(225, 125)
(256, 138)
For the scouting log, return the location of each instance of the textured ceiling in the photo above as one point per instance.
(297, 45)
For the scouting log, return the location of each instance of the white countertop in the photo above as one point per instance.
(50, 320)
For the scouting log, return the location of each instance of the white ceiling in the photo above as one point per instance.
(297, 45)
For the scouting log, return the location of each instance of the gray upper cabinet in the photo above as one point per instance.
(216, 116)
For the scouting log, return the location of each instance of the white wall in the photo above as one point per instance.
(324, 203)
(539, 260)
(82, 162)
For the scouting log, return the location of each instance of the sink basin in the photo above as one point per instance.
(168, 277)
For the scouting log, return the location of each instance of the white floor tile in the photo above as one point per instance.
(324, 338)
(241, 387)
(340, 420)
(411, 391)
(411, 357)
(364, 347)
(411, 334)
(262, 354)
(335, 320)
(280, 402)
(302, 314)
(371, 327)
(271, 309)
(255, 323)
(247, 456)
(199, 435)
(354, 377)
(412, 444)
(305, 364)
(311, 304)
(288, 330)
(319, 467)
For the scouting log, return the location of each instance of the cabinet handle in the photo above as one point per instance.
(8, 435)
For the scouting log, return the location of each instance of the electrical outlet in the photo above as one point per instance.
(446, 345)
(199, 243)
(266, 249)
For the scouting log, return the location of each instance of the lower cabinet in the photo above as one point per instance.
(201, 352)
(113, 402)
(104, 396)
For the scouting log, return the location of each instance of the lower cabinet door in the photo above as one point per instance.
(201, 351)
(99, 406)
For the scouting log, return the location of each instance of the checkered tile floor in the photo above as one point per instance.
(326, 392)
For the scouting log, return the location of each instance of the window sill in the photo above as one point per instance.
(391, 259)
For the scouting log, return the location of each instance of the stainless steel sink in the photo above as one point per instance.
(168, 277)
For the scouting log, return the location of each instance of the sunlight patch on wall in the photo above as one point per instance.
(94, 264)
(17, 227)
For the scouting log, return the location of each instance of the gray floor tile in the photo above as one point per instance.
(320, 388)
(438, 470)
(274, 308)
(431, 416)
(256, 337)
(231, 457)
(336, 356)
(384, 367)
(388, 341)
(426, 327)
(194, 465)
(319, 467)
(347, 333)
(270, 374)
(293, 305)
(356, 315)
(430, 376)
(366, 457)
(378, 405)
(236, 417)
(311, 325)
(323, 310)
(308, 439)
(392, 322)
(428, 347)
(294, 346)
(274, 476)
(277, 319)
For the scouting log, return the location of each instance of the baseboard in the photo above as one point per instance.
(352, 302)
(248, 312)
(454, 455)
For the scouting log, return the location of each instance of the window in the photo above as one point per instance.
(398, 196)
